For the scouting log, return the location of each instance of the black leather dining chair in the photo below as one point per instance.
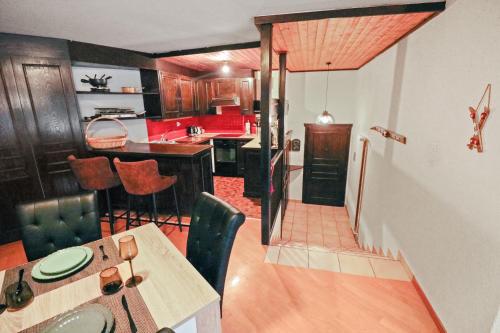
(212, 231)
(54, 224)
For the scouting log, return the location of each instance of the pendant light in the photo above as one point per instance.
(326, 118)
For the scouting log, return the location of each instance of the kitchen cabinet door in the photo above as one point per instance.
(326, 157)
(170, 95)
(225, 88)
(50, 111)
(186, 96)
(19, 179)
(246, 95)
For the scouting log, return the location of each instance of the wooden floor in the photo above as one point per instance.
(262, 297)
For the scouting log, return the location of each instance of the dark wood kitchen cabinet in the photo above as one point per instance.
(186, 97)
(326, 157)
(170, 95)
(177, 92)
(39, 128)
(225, 88)
(246, 95)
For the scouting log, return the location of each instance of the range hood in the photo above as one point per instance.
(234, 101)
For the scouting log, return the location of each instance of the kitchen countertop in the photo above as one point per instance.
(254, 144)
(158, 149)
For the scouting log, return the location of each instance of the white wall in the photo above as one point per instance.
(305, 93)
(433, 199)
(120, 78)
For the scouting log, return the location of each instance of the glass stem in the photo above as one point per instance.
(131, 270)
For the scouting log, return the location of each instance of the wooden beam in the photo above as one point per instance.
(281, 110)
(238, 46)
(266, 57)
(352, 12)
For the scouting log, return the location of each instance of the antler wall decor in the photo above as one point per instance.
(476, 141)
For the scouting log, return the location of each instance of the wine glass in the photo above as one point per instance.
(110, 280)
(128, 251)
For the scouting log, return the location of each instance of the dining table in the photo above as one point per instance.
(172, 294)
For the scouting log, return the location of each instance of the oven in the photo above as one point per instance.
(225, 157)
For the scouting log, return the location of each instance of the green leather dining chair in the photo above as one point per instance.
(53, 224)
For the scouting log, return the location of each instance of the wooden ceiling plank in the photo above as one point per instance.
(320, 41)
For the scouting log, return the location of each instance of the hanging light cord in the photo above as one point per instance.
(326, 91)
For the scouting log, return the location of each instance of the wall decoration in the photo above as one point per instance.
(476, 141)
(390, 134)
(296, 145)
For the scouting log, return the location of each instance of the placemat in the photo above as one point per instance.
(96, 265)
(138, 309)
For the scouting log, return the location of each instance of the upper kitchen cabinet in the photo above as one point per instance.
(186, 96)
(225, 91)
(225, 88)
(177, 92)
(170, 95)
(246, 95)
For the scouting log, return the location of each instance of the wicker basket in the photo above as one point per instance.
(106, 142)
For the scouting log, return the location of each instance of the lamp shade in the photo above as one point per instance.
(325, 119)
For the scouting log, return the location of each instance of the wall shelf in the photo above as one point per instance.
(114, 93)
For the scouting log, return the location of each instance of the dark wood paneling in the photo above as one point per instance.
(86, 53)
(281, 106)
(238, 46)
(23, 45)
(326, 157)
(352, 12)
(52, 121)
(19, 179)
(266, 47)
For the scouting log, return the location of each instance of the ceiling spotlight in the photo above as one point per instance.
(225, 68)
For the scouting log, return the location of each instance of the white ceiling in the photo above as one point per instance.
(156, 25)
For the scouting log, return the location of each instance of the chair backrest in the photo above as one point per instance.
(54, 224)
(212, 231)
(92, 173)
(138, 178)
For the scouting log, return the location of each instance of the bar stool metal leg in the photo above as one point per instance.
(155, 208)
(129, 207)
(179, 219)
(110, 212)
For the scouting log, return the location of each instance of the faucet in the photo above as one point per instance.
(163, 137)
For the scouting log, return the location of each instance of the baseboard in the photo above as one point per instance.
(422, 295)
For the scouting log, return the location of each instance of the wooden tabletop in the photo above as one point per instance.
(156, 149)
(175, 294)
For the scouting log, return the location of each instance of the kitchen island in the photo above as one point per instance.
(191, 163)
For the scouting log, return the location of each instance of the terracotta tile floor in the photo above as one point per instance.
(267, 298)
(320, 237)
(318, 226)
(231, 189)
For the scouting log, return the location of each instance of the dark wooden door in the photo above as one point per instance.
(170, 95)
(19, 180)
(52, 120)
(186, 96)
(246, 96)
(326, 157)
(225, 88)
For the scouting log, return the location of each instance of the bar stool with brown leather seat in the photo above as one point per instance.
(94, 174)
(141, 179)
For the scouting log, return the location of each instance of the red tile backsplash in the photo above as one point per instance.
(230, 121)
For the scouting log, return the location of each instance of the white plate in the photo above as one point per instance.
(85, 320)
(63, 260)
(38, 275)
